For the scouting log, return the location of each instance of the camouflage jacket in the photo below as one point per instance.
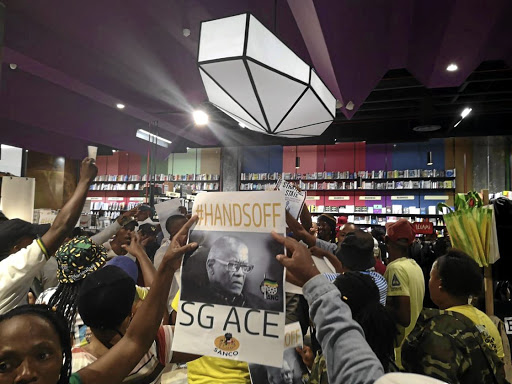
(318, 373)
(448, 346)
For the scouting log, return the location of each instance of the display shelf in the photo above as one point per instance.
(155, 181)
(257, 181)
(383, 190)
(424, 215)
(355, 179)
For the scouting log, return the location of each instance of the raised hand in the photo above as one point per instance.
(299, 232)
(306, 353)
(127, 216)
(179, 246)
(88, 170)
(135, 247)
(300, 267)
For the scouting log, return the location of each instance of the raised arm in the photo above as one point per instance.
(349, 357)
(299, 232)
(112, 229)
(136, 249)
(305, 218)
(336, 263)
(70, 213)
(118, 362)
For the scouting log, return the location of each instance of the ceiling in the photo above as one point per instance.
(77, 60)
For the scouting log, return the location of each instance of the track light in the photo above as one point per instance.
(152, 138)
(429, 158)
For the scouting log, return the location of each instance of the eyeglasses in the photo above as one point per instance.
(234, 266)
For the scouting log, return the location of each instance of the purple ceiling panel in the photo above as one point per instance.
(37, 139)
(81, 58)
(450, 31)
(357, 34)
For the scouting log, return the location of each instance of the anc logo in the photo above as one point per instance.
(227, 343)
(269, 288)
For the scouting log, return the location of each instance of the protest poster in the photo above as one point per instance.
(165, 210)
(292, 371)
(294, 199)
(232, 298)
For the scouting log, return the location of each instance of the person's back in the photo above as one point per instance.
(105, 305)
(405, 278)
(447, 345)
(406, 284)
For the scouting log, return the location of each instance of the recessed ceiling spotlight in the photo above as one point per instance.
(465, 112)
(13, 66)
(350, 105)
(120, 106)
(339, 104)
(186, 32)
(452, 67)
(242, 125)
(200, 118)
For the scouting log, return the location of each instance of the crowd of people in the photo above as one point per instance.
(77, 307)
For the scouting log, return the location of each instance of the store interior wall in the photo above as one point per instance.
(55, 177)
(481, 162)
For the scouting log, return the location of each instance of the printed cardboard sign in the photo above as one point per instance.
(293, 197)
(232, 286)
(165, 210)
(292, 371)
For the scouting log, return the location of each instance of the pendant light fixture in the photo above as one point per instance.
(429, 158)
(252, 76)
(297, 159)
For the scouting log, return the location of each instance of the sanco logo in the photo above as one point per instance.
(227, 343)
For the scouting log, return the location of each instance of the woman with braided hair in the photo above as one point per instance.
(76, 259)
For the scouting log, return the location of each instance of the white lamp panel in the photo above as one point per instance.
(267, 48)
(222, 38)
(220, 98)
(309, 110)
(245, 123)
(312, 130)
(277, 93)
(323, 92)
(232, 76)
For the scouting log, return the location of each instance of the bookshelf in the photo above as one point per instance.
(348, 193)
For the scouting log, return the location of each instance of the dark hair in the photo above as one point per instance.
(65, 300)
(378, 233)
(356, 251)
(332, 225)
(59, 325)
(171, 220)
(361, 294)
(460, 274)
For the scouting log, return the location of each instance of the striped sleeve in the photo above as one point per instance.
(382, 285)
(163, 344)
(331, 276)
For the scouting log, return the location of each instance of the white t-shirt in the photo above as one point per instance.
(16, 274)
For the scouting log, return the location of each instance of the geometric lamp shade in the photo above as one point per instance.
(252, 76)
